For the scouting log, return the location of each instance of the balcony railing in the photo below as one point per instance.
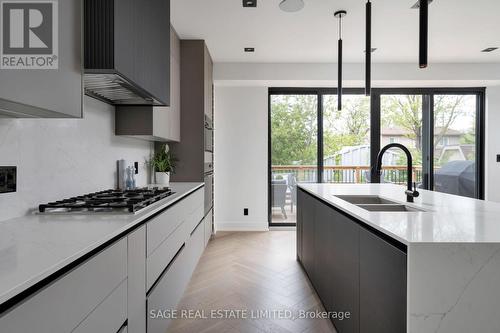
(345, 174)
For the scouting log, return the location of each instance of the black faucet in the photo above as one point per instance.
(410, 192)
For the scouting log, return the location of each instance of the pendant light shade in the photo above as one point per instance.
(368, 49)
(423, 33)
(340, 14)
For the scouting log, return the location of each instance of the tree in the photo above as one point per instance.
(405, 112)
(347, 127)
(294, 129)
(447, 108)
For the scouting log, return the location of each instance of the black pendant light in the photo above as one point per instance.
(340, 14)
(423, 33)
(368, 49)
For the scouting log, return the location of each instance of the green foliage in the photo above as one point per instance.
(163, 160)
(294, 129)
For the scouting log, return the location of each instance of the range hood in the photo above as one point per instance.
(127, 58)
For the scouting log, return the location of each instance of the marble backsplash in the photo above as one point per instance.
(57, 158)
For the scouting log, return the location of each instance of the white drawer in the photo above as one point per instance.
(168, 292)
(109, 316)
(163, 254)
(161, 226)
(194, 218)
(62, 305)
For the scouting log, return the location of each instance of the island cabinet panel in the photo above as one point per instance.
(382, 285)
(342, 256)
(300, 201)
(308, 244)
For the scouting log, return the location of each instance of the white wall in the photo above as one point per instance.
(241, 122)
(492, 148)
(240, 163)
(57, 158)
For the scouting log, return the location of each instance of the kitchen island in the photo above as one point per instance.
(433, 266)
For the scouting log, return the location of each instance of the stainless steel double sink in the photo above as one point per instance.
(375, 203)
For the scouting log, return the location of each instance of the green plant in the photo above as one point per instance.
(163, 160)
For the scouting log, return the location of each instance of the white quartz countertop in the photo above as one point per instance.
(447, 219)
(35, 246)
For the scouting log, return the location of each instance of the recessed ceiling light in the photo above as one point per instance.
(291, 6)
(249, 49)
(490, 49)
(249, 3)
(417, 4)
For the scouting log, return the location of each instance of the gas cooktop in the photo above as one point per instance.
(109, 201)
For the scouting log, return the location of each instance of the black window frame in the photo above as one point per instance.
(375, 117)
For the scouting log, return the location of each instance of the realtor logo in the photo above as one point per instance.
(29, 36)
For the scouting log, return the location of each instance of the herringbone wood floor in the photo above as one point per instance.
(251, 271)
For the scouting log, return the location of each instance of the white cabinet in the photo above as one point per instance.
(167, 232)
(136, 287)
(170, 287)
(109, 316)
(48, 93)
(63, 305)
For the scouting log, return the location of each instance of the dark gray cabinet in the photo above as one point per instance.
(382, 285)
(342, 261)
(300, 205)
(352, 269)
(155, 123)
(308, 243)
(196, 102)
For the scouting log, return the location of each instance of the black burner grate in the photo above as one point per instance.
(109, 200)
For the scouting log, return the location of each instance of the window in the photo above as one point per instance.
(312, 141)
(346, 139)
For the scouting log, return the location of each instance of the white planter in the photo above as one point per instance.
(163, 178)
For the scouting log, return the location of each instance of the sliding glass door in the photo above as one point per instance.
(310, 140)
(455, 145)
(293, 151)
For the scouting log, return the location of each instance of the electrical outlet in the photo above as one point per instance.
(136, 168)
(245, 211)
(8, 179)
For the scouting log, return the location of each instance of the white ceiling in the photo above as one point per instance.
(458, 30)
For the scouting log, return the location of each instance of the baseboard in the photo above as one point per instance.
(277, 228)
(238, 226)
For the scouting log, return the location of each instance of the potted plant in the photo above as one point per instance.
(163, 163)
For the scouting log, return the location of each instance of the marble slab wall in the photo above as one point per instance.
(453, 288)
(57, 158)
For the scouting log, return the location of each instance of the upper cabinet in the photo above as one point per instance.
(127, 43)
(156, 123)
(41, 76)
